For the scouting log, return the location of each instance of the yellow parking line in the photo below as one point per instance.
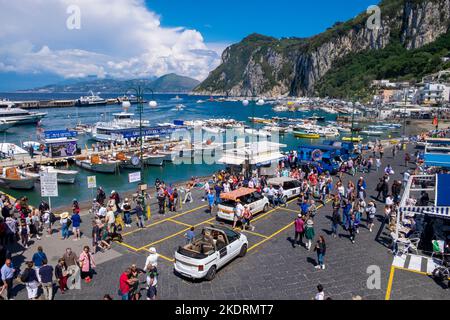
(203, 222)
(128, 246)
(389, 286)
(164, 220)
(256, 234)
(271, 236)
(290, 210)
(164, 239)
(280, 230)
(179, 222)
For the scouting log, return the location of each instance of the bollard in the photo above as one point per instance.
(149, 214)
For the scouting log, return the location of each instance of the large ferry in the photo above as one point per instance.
(91, 100)
(111, 131)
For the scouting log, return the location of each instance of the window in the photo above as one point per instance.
(231, 235)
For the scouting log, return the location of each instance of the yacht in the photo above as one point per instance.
(18, 116)
(91, 100)
(111, 131)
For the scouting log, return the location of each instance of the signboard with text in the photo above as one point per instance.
(49, 184)
(92, 182)
(134, 177)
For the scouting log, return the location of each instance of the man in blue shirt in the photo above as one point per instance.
(76, 222)
(211, 199)
(7, 276)
(304, 207)
(46, 275)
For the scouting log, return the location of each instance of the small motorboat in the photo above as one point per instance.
(315, 117)
(306, 134)
(371, 133)
(98, 164)
(13, 179)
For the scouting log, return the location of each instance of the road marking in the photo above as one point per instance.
(389, 286)
(164, 220)
(164, 239)
(290, 210)
(128, 246)
(281, 230)
(271, 236)
(252, 232)
(180, 223)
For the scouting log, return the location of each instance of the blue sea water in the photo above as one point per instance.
(68, 117)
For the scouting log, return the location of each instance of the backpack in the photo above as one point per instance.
(69, 222)
(24, 275)
(52, 217)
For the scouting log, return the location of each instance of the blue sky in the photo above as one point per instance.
(231, 20)
(140, 38)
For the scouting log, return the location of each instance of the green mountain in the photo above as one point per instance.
(167, 83)
(408, 43)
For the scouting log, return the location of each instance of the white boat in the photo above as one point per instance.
(10, 149)
(213, 130)
(258, 133)
(98, 164)
(91, 100)
(280, 108)
(110, 131)
(200, 101)
(5, 125)
(371, 133)
(62, 175)
(19, 116)
(154, 159)
(11, 178)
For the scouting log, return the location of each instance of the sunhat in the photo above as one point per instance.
(310, 222)
(64, 215)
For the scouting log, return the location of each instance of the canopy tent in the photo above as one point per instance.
(437, 160)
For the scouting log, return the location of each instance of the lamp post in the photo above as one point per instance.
(140, 91)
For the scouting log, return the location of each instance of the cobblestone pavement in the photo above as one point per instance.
(272, 269)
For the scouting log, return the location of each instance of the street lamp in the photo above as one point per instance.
(140, 91)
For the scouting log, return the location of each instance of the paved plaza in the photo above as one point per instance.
(272, 268)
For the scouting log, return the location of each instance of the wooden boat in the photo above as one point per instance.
(306, 134)
(98, 164)
(11, 178)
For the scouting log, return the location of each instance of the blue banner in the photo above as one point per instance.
(148, 132)
(58, 134)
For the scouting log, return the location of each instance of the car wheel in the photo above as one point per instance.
(266, 208)
(285, 199)
(211, 273)
(243, 251)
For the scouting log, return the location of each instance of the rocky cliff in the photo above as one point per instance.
(265, 66)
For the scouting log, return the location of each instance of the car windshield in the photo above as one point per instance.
(231, 235)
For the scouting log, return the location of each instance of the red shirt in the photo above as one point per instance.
(124, 286)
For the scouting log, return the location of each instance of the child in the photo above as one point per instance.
(309, 233)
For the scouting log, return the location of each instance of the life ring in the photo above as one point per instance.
(316, 155)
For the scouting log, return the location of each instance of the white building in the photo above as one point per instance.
(433, 93)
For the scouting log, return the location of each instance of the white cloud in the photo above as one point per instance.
(118, 38)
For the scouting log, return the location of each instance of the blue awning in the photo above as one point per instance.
(437, 160)
(443, 190)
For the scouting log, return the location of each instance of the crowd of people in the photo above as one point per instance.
(350, 207)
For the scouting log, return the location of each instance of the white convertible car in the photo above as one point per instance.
(211, 250)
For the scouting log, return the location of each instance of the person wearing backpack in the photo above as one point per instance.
(29, 277)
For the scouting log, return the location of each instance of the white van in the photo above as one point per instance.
(291, 187)
(247, 196)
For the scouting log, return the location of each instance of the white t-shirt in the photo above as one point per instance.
(102, 211)
(239, 210)
(320, 296)
(152, 259)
